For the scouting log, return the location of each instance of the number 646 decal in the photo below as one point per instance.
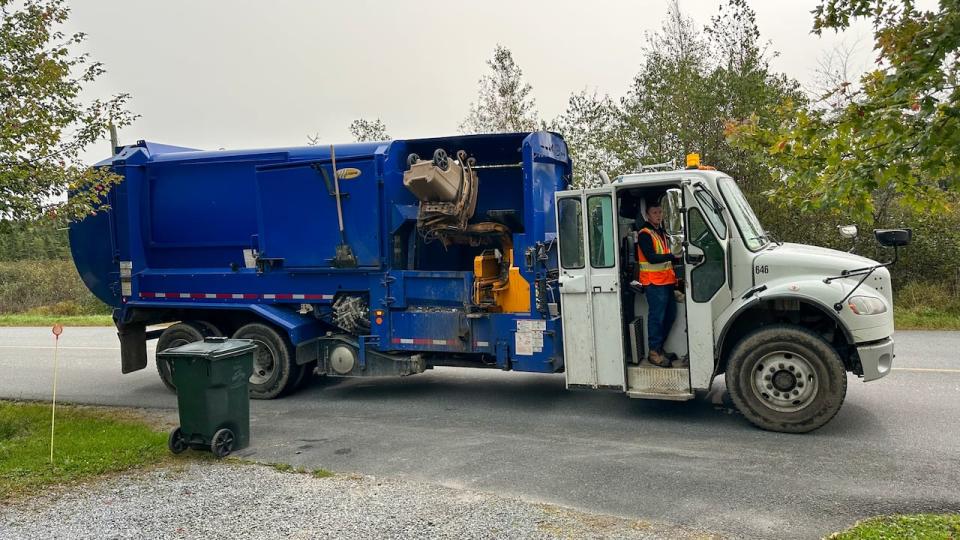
(761, 269)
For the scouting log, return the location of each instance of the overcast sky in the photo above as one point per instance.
(238, 74)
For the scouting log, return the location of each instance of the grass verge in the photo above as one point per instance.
(924, 319)
(25, 319)
(926, 526)
(87, 443)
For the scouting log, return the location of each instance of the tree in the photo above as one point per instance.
(588, 129)
(503, 100)
(365, 130)
(894, 136)
(44, 124)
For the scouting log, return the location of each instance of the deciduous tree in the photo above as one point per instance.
(44, 121)
(503, 101)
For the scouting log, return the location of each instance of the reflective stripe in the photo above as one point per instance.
(651, 267)
(655, 273)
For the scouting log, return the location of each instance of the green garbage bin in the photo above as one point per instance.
(211, 377)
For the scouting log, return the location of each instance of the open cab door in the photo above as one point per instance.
(590, 289)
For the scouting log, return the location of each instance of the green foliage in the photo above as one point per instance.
(503, 102)
(897, 527)
(589, 127)
(87, 443)
(46, 288)
(32, 240)
(891, 138)
(44, 123)
(364, 130)
(690, 86)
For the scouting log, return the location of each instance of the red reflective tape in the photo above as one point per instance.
(237, 296)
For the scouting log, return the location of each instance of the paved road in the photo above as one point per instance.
(894, 447)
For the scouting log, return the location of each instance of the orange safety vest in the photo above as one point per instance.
(659, 273)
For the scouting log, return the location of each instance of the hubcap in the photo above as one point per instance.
(264, 364)
(784, 381)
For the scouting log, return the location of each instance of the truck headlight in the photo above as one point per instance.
(867, 305)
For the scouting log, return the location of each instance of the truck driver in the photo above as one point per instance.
(655, 262)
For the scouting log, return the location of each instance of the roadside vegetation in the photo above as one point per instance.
(88, 442)
(925, 526)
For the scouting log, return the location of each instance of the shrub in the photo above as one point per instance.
(50, 287)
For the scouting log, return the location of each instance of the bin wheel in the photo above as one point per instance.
(222, 443)
(175, 441)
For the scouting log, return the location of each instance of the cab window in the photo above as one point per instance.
(707, 277)
(571, 233)
(600, 214)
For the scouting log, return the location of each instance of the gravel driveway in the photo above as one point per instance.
(225, 500)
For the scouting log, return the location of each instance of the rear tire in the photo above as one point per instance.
(786, 378)
(175, 336)
(274, 369)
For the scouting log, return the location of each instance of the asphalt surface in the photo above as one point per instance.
(894, 446)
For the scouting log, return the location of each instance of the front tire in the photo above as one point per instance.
(786, 378)
(274, 368)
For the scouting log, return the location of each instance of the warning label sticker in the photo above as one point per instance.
(529, 337)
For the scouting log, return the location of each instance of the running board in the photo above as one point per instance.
(650, 382)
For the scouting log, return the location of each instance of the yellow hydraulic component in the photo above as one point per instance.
(515, 297)
(505, 292)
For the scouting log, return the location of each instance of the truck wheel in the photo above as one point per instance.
(786, 378)
(175, 336)
(274, 369)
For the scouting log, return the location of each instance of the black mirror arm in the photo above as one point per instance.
(870, 269)
(866, 272)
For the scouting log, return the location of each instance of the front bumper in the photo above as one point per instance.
(876, 358)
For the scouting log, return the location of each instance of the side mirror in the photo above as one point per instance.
(848, 231)
(893, 237)
(672, 203)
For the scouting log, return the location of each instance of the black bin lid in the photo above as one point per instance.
(211, 348)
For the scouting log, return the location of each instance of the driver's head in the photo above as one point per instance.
(654, 213)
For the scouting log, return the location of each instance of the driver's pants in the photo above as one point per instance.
(661, 314)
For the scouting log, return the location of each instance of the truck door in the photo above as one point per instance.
(590, 289)
(707, 290)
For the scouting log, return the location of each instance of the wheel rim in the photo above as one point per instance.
(264, 364)
(226, 442)
(784, 381)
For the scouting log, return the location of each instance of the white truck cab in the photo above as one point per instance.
(783, 322)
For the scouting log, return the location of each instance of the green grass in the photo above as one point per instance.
(925, 319)
(916, 526)
(322, 473)
(25, 319)
(87, 443)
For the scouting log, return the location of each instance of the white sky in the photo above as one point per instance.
(245, 73)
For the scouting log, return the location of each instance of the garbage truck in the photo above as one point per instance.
(391, 258)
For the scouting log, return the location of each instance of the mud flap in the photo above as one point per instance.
(133, 347)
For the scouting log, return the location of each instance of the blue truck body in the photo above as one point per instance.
(240, 236)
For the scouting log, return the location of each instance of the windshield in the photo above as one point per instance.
(751, 230)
